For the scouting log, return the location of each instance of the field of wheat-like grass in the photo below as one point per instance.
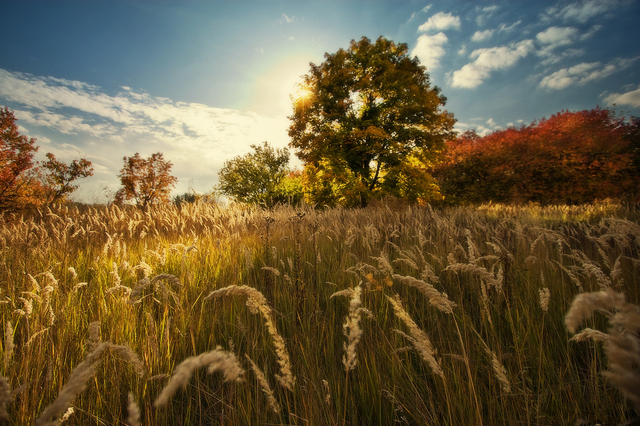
(200, 315)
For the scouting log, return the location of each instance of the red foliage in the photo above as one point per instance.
(146, 181)
(572, 157)
(16, 161)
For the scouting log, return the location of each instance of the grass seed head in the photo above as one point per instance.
(215, 360)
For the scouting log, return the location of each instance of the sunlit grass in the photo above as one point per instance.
(449, 321)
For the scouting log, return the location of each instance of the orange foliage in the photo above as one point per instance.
(572, 157)
(146, 181)
(25, 184)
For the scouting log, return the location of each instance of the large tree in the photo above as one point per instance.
(259, 177)
(368, 123)
(146, 181)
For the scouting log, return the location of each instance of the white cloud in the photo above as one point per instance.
(552, 58)
(568, 76)
(439, 22)
(287, 19)
(484, 13)
(67, 124)
(582, 11)
(482, 35)
(594, 29)
(631, 98)
(554, 37)
(557, 36)
(584, 73)
(429, 49)
(195, 137)
(423, 10)
(488, 60)
(504, 27)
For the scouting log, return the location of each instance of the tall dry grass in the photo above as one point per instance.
(90, 299)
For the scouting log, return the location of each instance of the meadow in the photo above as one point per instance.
(492, 315)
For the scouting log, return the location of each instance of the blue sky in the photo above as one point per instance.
(201, 81)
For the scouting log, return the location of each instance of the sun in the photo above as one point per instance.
(276, 88)
(302, 93)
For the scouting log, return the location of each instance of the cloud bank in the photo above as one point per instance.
(105, 127)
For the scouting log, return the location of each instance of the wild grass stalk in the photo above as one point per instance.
(258, 304)
(264, 384)
(133, 410)
(622, 344)
(417, 337)
(215, 360)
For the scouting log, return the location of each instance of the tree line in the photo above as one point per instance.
(368, 125)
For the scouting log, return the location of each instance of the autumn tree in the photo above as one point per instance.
(571, 157)
(367, 123)
(59, 177)
(25, 183)
(16, 160)
(146, 181)
(259, 177)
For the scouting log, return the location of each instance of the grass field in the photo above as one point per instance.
(339, 317)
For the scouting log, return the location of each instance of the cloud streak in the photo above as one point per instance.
(582, 11)
(583, 73)
(631, 98)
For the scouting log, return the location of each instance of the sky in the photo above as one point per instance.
(201, 81)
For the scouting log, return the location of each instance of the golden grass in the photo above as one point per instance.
(478, 294)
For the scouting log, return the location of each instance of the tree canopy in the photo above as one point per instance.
(571, 157)
(16, 160)
(146, 181)
(25, 183)
(368, 123)
(60, 177)
(259, 177)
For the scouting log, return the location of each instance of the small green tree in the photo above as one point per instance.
(259, 177)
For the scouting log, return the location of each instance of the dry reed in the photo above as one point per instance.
(545, 296)
(133, 412)
(215, 360)
(264, 384)
(438, 300)
(622, 346)
(82, 373)
(417, 337)
(257, 304)
(8, 344)
(5, 397)
(499, 370)
(351, 326)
